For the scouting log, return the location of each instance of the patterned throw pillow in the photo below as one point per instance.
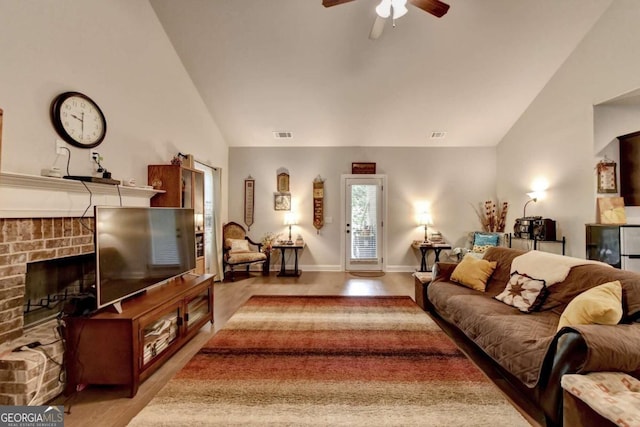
(237, 245)
(523, 292)
(483, 241)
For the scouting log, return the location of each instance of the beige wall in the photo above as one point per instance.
(117, 53)
(554, 138)
(451, 179)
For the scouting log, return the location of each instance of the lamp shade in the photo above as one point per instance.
(424, 219)
(290, 219)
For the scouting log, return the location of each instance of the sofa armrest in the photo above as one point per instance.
(442, 271)
(586, 348)
(610, 348)
(566, 356)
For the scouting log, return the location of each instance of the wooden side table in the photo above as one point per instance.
(283, 268)
(424, 250)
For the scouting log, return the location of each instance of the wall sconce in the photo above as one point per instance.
(425, 219)
(290, 219)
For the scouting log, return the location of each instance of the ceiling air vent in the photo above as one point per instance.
(438, 135)
(282, 135)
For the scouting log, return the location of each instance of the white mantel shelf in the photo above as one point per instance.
(24, 196)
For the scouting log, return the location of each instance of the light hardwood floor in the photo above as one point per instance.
(110, 406)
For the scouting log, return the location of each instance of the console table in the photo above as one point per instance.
(425, 248)
(283, 266)
(125, 348)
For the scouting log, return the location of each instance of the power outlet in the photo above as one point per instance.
(61, 147)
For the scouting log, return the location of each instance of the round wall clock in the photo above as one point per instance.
(78, 120)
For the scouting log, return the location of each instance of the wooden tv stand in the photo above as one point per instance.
(126, 348)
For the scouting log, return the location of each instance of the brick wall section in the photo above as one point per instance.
(33, 239)
(23, 241)
(20, 371)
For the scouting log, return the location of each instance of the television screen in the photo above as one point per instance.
(139, 247)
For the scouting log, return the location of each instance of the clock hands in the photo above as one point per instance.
(81, 119)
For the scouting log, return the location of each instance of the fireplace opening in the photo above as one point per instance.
(50, 283)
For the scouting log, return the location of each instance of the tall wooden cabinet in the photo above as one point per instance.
(183, 188)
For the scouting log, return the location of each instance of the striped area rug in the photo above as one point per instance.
(329, 361)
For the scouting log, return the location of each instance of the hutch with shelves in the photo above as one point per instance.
(183, 188)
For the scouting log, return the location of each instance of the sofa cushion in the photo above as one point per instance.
(243, 257)
(473, 273)
(502, 274)
(584, 277)
(600, 305)
(523, 292)
(516, 341)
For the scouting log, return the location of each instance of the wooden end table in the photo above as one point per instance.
(283, 268)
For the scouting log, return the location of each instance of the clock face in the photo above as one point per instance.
(78, 120)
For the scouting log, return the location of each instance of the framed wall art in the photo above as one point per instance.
(283, 182)
(363, 168)
(282, 201)
(607, 177)
(249, 201)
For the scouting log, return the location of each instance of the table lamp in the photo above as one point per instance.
(425, 219)
(290, 219)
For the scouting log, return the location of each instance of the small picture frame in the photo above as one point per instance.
(282, 201)
(607, 177)
(363, 168)
(283, 182)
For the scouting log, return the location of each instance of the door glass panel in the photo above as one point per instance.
(364, 220)
(158, 335)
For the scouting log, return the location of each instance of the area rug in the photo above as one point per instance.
(329, 361)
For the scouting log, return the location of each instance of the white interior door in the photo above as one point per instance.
(363, 223)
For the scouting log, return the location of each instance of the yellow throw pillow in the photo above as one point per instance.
(473, 273)
(601, 305)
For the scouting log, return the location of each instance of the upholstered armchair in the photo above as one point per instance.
(238, 252)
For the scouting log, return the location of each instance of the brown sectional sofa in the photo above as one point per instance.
(525, 347)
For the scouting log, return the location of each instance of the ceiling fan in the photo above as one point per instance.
(396, 9)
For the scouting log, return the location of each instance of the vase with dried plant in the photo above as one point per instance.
(492, 216)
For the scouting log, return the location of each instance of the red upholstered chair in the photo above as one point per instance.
(239, 250)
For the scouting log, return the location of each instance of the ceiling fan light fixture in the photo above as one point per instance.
(384, 9)
(399, 8)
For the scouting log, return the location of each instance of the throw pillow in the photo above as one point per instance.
(600, 305)
(236, 245)
(523, 292)
(473, 273)
(483, 241)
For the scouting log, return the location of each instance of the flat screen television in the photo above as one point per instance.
(139, 247)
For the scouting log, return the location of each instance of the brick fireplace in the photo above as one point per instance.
(25, 240)
(40, 220)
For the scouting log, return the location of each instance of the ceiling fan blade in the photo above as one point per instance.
(434, 7)
(377, 28)
(329, 3)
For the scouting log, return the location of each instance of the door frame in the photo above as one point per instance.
(343, 216)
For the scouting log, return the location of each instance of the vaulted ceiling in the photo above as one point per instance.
(293, 65)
